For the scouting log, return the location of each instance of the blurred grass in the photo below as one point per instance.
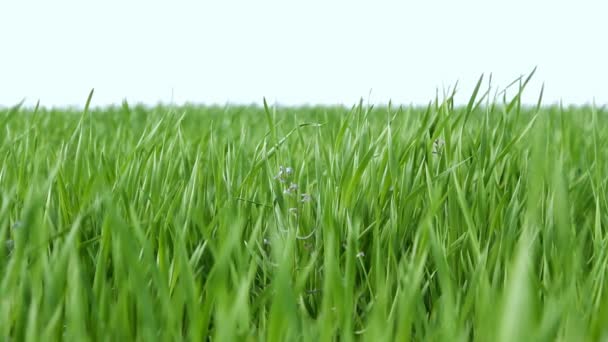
(483, 222)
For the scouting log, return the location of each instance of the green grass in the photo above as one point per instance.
(483, 222)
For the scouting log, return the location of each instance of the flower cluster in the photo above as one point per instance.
(438, 145)
(286, 176)
(294, 204)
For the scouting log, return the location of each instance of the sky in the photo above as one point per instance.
(295, 53)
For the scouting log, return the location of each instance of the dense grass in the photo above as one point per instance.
(482, 222)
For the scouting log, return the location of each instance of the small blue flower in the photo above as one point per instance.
(438, 145)
(293, 188)
(285, 174)
(305, 198)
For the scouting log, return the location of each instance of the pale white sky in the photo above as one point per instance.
(315, 51)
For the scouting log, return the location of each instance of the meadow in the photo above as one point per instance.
(484, 222)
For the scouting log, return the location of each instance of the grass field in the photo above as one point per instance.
(482, 222)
